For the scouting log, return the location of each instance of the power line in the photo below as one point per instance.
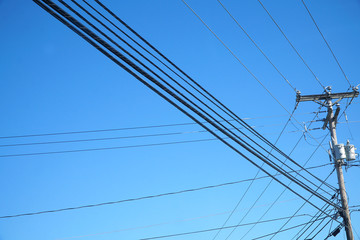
(106, 148)
(234, 55)
(80, 29)
(146, 197)
(204, 114)
(284, 230)
(115, 138)
(279, 196)
(256, 45)
(248, 188)
(327, 44)
(248, 70)
(292, 46)
(316, 216)
(293, 149)
(135, 128)
(187, 105)
(319, 230)
(214, 229)
(300, 209)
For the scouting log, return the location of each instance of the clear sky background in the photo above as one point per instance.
(52, 81)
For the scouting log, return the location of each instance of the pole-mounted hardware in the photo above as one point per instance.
(340, 152)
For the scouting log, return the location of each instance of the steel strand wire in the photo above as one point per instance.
(302, 231)
(326, 42)
(189, 77)
(329, 174)
(178, 91)
(292, 46)
(267, 186)
(142, 197)
(256, 45)
(221, 105)
(247, 189)
(247, 70)
(169, 84)
(162, 87)
(293, 149)
(301, 208)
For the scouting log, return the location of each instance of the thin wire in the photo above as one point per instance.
(248, 70)
(114, 138)
(106, 148)
(348, 127)
(174, 89)
(256, 45)
(284, 191)
(145, 41)
(321, 229)
(299, 209)
(292, 46)
(133, 128)
(233, 230)
(330, 226)
(235, 56)
(327, 44)
(319, 215)
(142, 227)
(312, 155)
(146, 197)
(214, 229)
(172, 94)
(95, 37)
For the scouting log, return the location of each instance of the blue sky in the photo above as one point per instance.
(53, 81)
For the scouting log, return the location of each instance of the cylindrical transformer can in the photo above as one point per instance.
(339, 151)
(350, 152)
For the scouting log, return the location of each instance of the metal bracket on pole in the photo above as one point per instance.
(331, 121)
(335, 118)
(327, 119)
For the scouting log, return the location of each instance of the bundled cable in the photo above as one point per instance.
(189, 98)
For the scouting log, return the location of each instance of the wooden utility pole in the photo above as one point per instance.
(331, 120)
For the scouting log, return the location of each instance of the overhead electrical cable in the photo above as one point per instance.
(193, 11)
(326, 42)
(284, 230)
(319, 224)
(119, 137)
(186, 101)
(176, 97)
(105, 148)
(134, 128)
(247, 69)
(222, 107)
(269, 183)
(214, 229)
(256, 45)
(292, 46)
(199, 108)
(328, 175)
(247, 189)
(279, 196)
(234, 55)
(321, 229)
(158, 87)
(304, 229)
(145, 197)
(300, 209)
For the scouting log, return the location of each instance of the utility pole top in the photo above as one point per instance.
(327, 95)
(338, 150)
